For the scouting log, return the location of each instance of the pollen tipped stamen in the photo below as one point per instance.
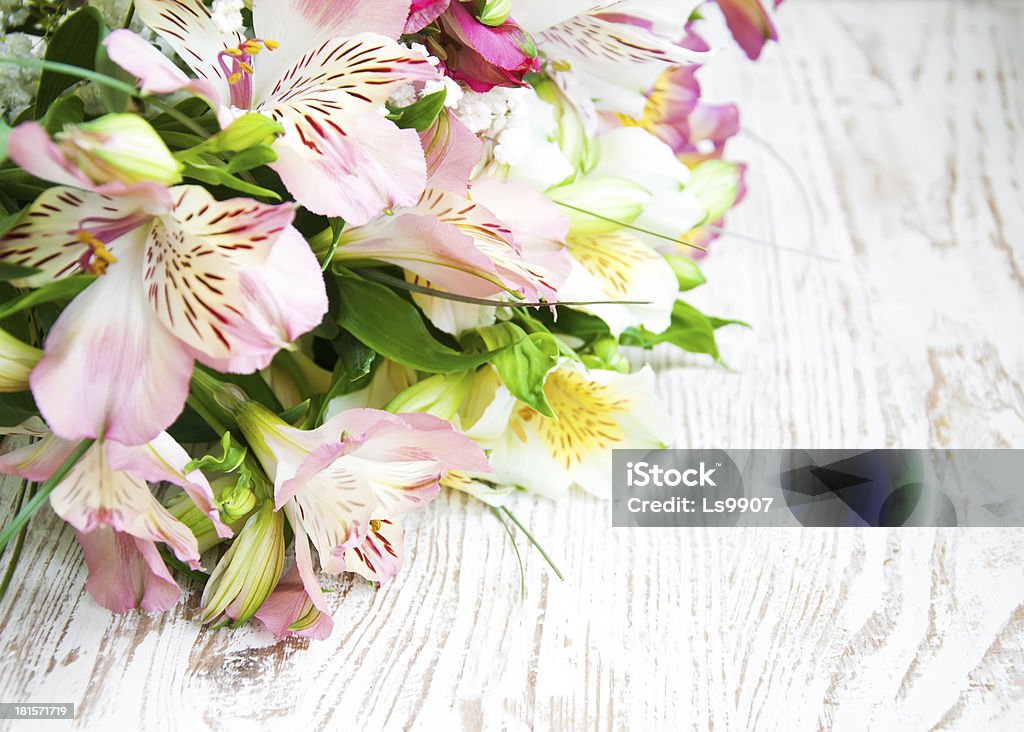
(99, 257)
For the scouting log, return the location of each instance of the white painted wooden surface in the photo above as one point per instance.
(904, 120)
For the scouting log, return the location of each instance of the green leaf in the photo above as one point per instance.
(687, 272)
(717, 323)
(394, 328)
(254, 157)
(16, 408)
(216, 175)
(74, 43)
(691, 331)
(63, 289)
(421, 114)
(5, 131)
(114, 100)
(10, 272)
(337, 226)
(573, 323)
(523, 361)
(64, 111)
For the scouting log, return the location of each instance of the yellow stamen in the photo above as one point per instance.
(374, 525)
(233, 51)
(101, 256)
(252, 47)
(247, 68)
(271, 45)
(234, 78)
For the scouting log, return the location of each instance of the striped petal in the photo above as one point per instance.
(194, 261)
(157, 73)
(187, 27)
(379, 557)
(47, 236)
(110, 366)
(617, 266)
(300, 25)
(353, 167)
(95, 494)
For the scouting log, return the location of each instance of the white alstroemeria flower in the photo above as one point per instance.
(639, 182)
(598, 411)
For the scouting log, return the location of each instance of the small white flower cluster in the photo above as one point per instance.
(12, 14)
(113, 11)
(227, 15)
(504, 116)
(18, 85)
(406, 94)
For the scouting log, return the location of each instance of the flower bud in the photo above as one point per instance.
(119, 148)
(17, 360)
(492, 12)
(574, 133)
(440, 395)
(600, 205)
(716, 185)
(249, 570)
(181, 507)
(244, 132)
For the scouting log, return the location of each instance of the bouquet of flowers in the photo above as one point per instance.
(276, 273)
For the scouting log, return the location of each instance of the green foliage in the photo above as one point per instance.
(691, 331)
(523, 361)
(421, 114)
(74, 43)
(394, 328)
(58, 290)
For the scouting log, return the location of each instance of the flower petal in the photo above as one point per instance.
(30, 146)
(452, 152)
(110, 367)
(379, 557)
(355, 171)
(616, 267)
(95, 494)
(187, 27)
(46, 236)
(126, 573)
(164, 460)
(299, 26)
(39, 461)
(158, 74)
(194, 265)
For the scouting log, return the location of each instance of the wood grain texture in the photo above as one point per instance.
(903, 120)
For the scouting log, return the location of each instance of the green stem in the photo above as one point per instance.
(624, 225)
(128, 16)
(519, 557)
(207, 414)
(534, 542)
(30, 508)
(19, 542)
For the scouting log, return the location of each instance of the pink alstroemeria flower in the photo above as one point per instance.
(486, 56)
(344, 485)
(424, 12)
(749, 24)
(676, 115)
(182, 277)
(320, 68)
(117, 518)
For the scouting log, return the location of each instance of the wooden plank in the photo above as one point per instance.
(903, 122)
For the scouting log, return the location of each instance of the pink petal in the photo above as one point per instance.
(379, 557)
(38, 461)
(749, 23)
(164, 460)
(158, 75)
(110, 367)
(300, 26)
(424, 12)
(372, 167)
(196, 263)
(502, 46)
(282, 300)
(452, 152)
(126, 573)
(94, 495)
(30, 146)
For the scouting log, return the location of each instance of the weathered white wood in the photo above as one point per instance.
(903, 120)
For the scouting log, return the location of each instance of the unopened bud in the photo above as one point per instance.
(119, 148)
(17, 360)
